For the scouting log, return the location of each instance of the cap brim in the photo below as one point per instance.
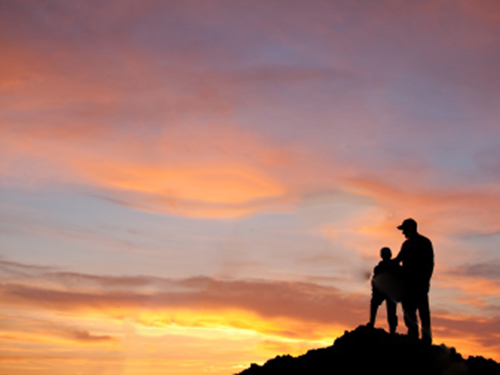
(401, 227)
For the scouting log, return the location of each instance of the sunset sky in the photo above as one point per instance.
(189, 187)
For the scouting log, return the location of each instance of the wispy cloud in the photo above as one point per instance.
(80, 292)
(17, 328)
(287, 307)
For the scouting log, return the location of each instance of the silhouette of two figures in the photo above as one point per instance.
(405, 279)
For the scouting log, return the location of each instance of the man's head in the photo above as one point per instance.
(409, 227)
(385, 253)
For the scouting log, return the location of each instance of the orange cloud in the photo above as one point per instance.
(269, 300)
(469, 334)
(29, 287)
(149, 322)
(477, 285)
(458, 211)
(211, 179)
(279, 309)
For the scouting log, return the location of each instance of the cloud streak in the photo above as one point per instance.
(288, 307)
(81, 292)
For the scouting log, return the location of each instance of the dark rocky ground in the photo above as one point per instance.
(374, 351)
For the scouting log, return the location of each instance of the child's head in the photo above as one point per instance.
(385, 253)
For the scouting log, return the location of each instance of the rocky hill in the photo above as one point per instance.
(374, 351)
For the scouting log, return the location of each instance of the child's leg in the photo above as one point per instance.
(392, 317)
(375, 302)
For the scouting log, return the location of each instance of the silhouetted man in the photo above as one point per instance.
(385, 287)
(417, 257)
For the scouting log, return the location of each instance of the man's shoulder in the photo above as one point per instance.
(424, 239)
(418, 238)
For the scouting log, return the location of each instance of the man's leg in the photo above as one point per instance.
(425, 318)
(410, 313)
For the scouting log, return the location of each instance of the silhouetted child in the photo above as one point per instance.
(386, 286)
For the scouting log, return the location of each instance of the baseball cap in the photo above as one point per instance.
(408, 223)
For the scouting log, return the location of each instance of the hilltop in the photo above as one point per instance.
(375, 351)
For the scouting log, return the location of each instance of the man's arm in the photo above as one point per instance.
(430, 260)
(399, 257)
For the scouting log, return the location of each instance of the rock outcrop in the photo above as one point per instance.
(373, 351)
